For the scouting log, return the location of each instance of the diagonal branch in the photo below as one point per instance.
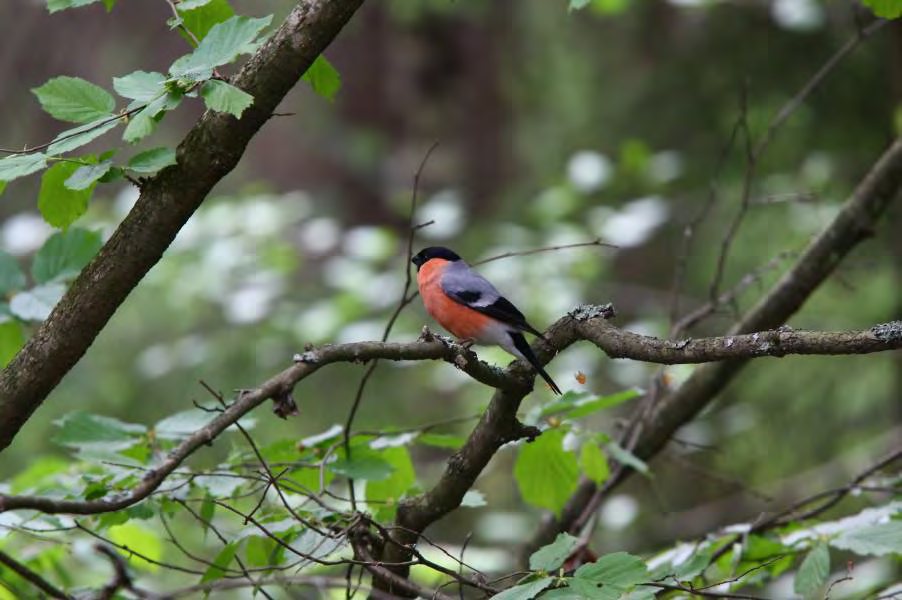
(207, 154)
(854, 224)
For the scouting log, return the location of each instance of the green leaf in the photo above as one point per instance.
(590, 591)
(322, 439)
(888, 9)
(587, 407)
(77, 137)
(619, 569)
(546, 474)
(551, 557)
(473, 499)
(13, 167)
(12, 278)
(199, 20)
(2, 187)
(224, 97)
(222, 560)
(37, 303)
(385, 493)
(140, 125)
(151, 161)
(86, 176)
(578, 4)
(872, 540)
(629, 459)
(526, 591)
(74, 100)
(323, 78)
(222, 45)
(593, 463)
(141, 540)
(12, 338)
(362, 465)
(59, 205)
(80, 429)
(65, 254)
(192, 4)
(207, 512)
(813, 572)
(55, 5)
(144, 86)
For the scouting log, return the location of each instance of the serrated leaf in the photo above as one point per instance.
(86, 176)
(546, 474)
(81, 429)
(12, 338)
(187, 422)
(619, 569)
(222, 560)
(321, 438)
(590, 591)
(74, 100)
(525, 591)
(59, 205)
(627, 458)
(151, 161)
(887, 9)
(224, 97)
(369, 466)
(77, 137)
(12, 278)
(65, 254)
(200, 20)
(37, 303)
(551, 557)
(872, 540)
(385, 493)
(143, 86)
(593, 463)
(140, 125)
(813, 572)
(13, 167)
(56, 5)
(587, 407)
(222, 45)
(323, 78)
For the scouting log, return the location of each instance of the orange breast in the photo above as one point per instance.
(461, 321)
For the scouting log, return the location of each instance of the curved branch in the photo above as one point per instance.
(207, 154)
(498, 424)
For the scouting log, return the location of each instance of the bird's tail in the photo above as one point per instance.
(522, 345)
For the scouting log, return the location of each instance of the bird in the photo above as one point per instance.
(467, 305)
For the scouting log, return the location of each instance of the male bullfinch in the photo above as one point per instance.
(467, 305)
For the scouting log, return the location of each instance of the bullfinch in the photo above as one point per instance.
(468, 306)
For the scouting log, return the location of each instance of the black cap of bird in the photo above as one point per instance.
(466, 304)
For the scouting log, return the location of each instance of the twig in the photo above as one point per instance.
(32, 577)
(596, 242)
(406, 298)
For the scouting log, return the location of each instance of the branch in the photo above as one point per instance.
(207, 154)
(498, 424)
(32, 577)
(854, 223)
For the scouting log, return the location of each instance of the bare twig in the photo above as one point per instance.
(32, 577)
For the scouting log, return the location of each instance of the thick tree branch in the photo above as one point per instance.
(855, 223)
(207, 154)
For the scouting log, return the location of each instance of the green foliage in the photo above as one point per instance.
(13, 167)
(323, 78)
(593, 463)
(151, 161)
(384, 494)
(887, 9)
(525, 591)
(80, 429)
(217, 569)
(75, 100)
(60, 204)
(12, 338)
(11, 275)
(873, 540)
(143, 86)
(77, 137)
(222, 45)
(56, 5)
(86, 176)
(813, 571)
(199, 16)
(549, 558)
(546, 474)
(36, 303)
(224, 97)
(64, 254)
